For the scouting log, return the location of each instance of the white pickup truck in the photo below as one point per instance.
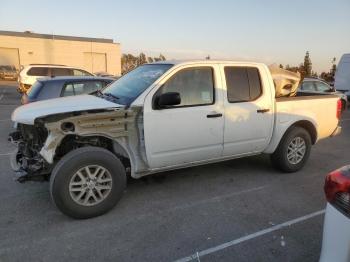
(159, 117)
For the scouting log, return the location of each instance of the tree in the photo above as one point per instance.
(307, 64)
(129, 62)
(142, 59)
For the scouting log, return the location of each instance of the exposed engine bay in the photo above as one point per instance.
(40, 146)
(26, 161)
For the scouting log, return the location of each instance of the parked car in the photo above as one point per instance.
(30, 73)
(105, 74)
(164, 116)
(315, 85)
(336, 231)
(8, 72)
(48, 88)
(342, 76)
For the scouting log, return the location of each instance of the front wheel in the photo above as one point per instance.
(293, 150)
(87, 182)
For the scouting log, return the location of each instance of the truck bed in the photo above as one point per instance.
(320, 109)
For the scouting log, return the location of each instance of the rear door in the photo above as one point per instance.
(248, 103)
(191, 131)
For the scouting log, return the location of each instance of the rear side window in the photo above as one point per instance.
(38, 71)
(79, 88)
(243, 84)
(195, 86)
(61, 72)
(34, 90)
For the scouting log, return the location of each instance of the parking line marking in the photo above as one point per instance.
(6, 154)
(237, 241)
(2, 120)
(1, 96)
(345, 119)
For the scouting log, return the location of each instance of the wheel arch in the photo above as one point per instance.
(114, 146)
(308, 125)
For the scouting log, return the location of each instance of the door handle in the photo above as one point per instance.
(263, 110)
(214, 115)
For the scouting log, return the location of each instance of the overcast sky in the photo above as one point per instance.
(258, 30)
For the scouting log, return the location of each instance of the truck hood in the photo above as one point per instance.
(27, 114)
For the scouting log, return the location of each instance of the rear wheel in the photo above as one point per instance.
(87, 182)
(293, 150)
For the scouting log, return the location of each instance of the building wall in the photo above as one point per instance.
(66, 52)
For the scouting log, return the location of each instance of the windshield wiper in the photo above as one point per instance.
(111, 95)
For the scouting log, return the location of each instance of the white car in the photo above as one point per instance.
(30, 73)
(165, 116)
(342, 76)
(336, 231)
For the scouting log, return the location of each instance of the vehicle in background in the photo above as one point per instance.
(166, 116)
(48, 88)
(314, 86)
(8, 72)
(336, 229)
(342, 76)
(30, 73)
(105, 74)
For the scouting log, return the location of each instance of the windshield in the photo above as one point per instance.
(127, 88)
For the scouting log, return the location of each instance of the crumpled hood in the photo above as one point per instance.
(27, 114)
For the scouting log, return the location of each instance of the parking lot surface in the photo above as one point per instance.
(239, 210)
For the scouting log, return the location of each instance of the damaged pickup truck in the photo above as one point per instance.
(166, 116)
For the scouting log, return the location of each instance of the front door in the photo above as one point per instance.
(188, 132)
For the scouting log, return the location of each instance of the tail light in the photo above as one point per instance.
(339, 108)
(337, 189)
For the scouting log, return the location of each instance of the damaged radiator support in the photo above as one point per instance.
(26, 160)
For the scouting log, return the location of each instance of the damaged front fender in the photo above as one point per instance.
(122, 126)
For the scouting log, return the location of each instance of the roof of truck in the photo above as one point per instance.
(205, 61)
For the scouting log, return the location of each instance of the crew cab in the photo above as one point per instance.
(164, 116)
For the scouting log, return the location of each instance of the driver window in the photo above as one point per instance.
(195, 86)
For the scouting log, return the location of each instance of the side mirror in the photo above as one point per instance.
(168, 99)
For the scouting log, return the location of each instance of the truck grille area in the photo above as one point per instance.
(28, 164)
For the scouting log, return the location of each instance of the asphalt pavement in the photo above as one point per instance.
(239, 210)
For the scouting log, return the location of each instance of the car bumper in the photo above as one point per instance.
(337, 131)
(336, 236)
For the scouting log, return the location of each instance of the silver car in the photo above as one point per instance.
(317, 86)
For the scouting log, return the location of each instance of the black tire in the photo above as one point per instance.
(69, 165)
(279, 157)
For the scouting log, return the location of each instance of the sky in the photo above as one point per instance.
(268, 31)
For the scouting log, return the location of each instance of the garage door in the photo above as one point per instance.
(95, 62)
(9, 57)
